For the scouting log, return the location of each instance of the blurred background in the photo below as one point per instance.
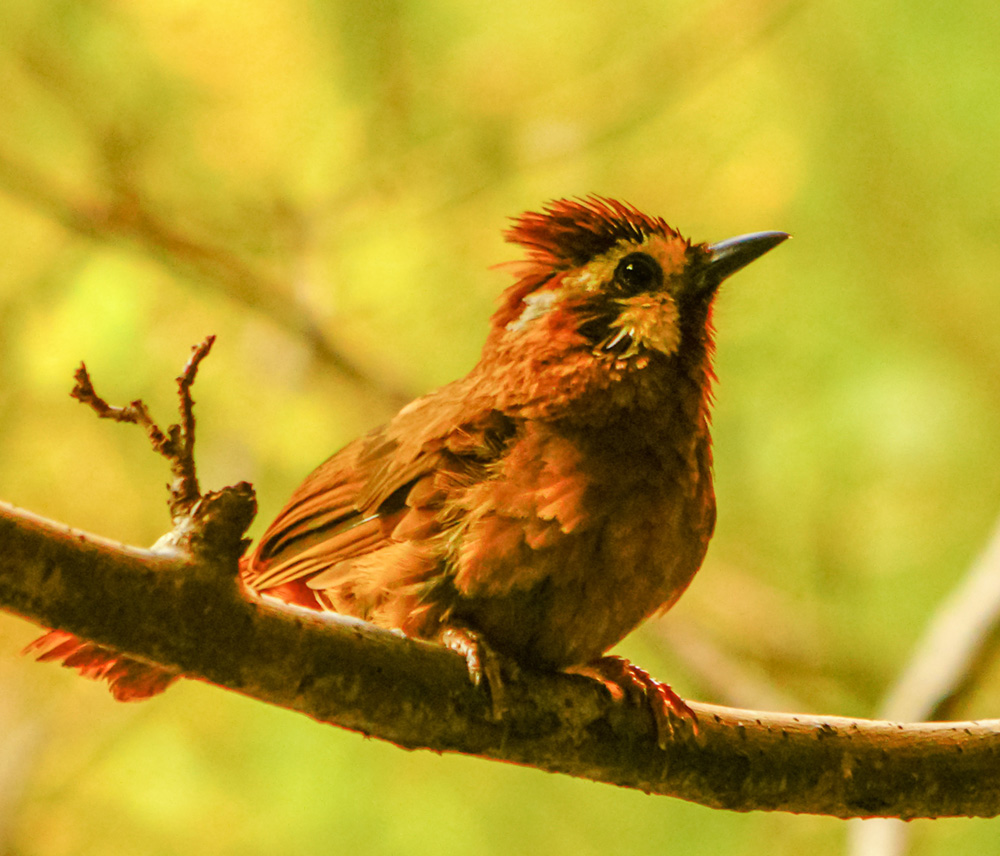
(324, 185)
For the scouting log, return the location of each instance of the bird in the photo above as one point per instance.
(534, 512)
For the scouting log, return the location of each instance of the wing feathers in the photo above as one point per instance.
(486, 505)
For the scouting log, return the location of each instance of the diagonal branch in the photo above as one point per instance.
(960, 641)
(185, 611)
(958, 644)
(127, 218)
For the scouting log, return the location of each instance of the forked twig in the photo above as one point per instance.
(176, 444)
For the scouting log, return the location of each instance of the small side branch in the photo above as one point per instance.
(176, 444)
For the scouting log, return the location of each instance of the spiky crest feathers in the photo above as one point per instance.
(569, 233)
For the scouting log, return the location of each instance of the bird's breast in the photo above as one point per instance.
(580, 537)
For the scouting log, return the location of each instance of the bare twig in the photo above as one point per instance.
(176, 444)
(136, 413)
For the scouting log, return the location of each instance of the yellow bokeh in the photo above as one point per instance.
(324, 185)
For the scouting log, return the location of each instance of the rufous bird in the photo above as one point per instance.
(540, 508)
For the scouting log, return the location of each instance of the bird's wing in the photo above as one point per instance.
(481, 502)
(320, 524)
(389, 488)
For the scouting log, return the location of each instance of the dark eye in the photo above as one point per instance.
(638, 272)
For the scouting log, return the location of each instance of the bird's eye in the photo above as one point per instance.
(638, 272)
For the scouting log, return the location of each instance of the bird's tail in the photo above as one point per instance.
(129, 679)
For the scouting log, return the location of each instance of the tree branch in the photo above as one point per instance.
(184, 610)
(180, 606)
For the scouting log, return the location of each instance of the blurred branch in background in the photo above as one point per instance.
(958, 645)
(127, 218)
(720, 670)
(676, 65)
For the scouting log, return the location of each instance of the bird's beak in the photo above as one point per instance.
(727, 257)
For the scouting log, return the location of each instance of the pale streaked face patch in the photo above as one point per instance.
(536, 305)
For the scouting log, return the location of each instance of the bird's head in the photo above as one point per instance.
(606, 288)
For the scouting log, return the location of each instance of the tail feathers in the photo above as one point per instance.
(129, 679)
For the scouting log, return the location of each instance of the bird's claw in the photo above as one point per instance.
(626, 681)
(484, 664)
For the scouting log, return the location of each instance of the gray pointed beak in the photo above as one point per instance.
(727, 257)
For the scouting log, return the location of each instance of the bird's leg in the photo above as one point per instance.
(626, 681)
(484, 664)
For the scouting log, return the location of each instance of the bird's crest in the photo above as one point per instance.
(569, 232)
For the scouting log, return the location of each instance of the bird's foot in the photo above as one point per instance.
(484, 664)
(630, 683)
